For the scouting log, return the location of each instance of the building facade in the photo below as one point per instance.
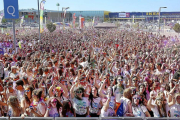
(145, 16)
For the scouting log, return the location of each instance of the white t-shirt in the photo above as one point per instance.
(41, 107)
(156, 112)
(175, 110)
(118, 92)
(139, 111)
(95, 105)
(80, 106)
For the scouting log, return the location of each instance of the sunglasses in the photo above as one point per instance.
(79, 92)
(27, 91)
(137, 98)
(34, 81)
(120, 79)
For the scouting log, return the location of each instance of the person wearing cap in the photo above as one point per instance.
(175, 106)
(80, 102)
(139, 110)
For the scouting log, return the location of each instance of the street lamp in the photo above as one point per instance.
(159, 18)
(64, 8)
(58, 10)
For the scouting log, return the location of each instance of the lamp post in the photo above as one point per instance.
(39, 20)
(64, 8)
(58, 10)
(159, 18)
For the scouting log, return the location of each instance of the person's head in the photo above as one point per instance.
(19, 84)
(37, 93)
(67, 106)
(58, 91)
(158, 65)
(128, 93)
(79, 93)
(156, 86)
(53, 102)
(177, 98)
(13, 69)
(13, 102)
(25, 80)
(95, 91)
(136, 100)
(46, 70)
(120, 80)
(82, 80)
(28, 93)
(159, 101)
(33, 81)
(10, 85)
(142, 88)
(135, 81)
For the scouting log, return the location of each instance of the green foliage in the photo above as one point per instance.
(176, 28)
(76, 24)
(51, 27)
(3, 20)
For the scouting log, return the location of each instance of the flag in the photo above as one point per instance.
(74, 20)
(22, 20)
(19, 44)
(119, 109)
(81, 22)
(93, 21)
(41, 16)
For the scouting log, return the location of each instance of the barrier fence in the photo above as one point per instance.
(87, 118)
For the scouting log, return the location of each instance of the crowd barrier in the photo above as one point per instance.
(87, 118)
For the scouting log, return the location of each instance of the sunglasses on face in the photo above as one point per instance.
(27, 91)
(79, 92)
(34, 81)
(120, 79)
(137, 98)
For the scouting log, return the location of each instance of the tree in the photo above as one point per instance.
(51, 27)
(176, 28)
(3, 20)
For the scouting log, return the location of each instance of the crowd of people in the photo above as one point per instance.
(90, 73)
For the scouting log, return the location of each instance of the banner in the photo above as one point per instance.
(74, 20)
(22, 20)
(93, 21)
(122, 14)
(81, 22)
(41, 16)
(1, 51)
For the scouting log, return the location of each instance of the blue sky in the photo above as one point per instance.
(109, 5)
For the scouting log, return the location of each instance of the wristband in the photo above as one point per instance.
(48, 109)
